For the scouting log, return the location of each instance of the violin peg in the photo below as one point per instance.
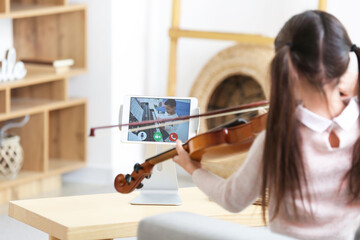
(137, 167)
(128, 178)
(148, 176)
(140, 186)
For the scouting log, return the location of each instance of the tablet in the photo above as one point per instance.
(144, 108)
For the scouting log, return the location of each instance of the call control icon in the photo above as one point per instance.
(173, 137)
(157, 136)
(142, 136)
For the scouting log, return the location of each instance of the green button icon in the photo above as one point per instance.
(157, 136)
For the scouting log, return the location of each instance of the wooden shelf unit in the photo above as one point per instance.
(29, 8)
(54, 140)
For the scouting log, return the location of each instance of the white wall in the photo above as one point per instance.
(96, 84)
(117, 56)
(129, 59)
(6, 36)
(346, 12)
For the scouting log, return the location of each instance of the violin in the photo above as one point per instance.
(227, 140)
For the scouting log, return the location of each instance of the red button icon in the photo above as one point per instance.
(173, 137)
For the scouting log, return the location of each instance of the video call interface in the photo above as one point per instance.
(143, 109)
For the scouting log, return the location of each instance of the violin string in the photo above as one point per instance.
(158, 125)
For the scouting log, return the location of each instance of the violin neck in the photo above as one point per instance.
(165, 155)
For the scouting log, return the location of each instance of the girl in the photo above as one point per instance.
(308, 159)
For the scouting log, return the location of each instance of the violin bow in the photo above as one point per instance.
(171, 121)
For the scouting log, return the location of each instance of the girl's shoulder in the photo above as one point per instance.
(259, 140)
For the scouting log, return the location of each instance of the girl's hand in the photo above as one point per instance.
(184, 160)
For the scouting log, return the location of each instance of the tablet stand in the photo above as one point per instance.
(162, 187)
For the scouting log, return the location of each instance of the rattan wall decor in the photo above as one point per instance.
(11, 152)
(11, 157)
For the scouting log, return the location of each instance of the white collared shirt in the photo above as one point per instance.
(345, 120)
(325, 169)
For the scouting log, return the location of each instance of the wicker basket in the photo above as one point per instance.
(11, 157)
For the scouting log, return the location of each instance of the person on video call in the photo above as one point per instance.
(170, 106)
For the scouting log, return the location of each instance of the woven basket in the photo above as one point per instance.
(11, 157)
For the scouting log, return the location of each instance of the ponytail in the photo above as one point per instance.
(315, 45)
(353, 174)
(283, 168)
(356, 50)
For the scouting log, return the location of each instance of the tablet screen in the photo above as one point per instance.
(143, 109)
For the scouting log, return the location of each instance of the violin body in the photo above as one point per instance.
(220, 141)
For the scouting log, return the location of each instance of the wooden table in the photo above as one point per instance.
(108, 216)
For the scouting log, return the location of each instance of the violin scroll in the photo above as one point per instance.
(128, 183)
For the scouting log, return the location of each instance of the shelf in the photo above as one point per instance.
(35, 76)
(54, 139)
(32, 139)
(23, 177)
(57, 36)
(51, 144)
(56, 167)
(67, 139)
(38, 106)
(33, 10)
(3, 101)
(19, 104)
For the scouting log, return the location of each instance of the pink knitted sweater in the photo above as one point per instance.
(333, 217)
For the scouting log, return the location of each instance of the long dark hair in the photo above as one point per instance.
(315, 46)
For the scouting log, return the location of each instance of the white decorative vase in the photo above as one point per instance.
(11, 157)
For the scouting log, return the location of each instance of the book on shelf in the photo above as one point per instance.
(48, 65)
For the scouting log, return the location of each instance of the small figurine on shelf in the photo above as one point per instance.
(11, 152)
(11, 70)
